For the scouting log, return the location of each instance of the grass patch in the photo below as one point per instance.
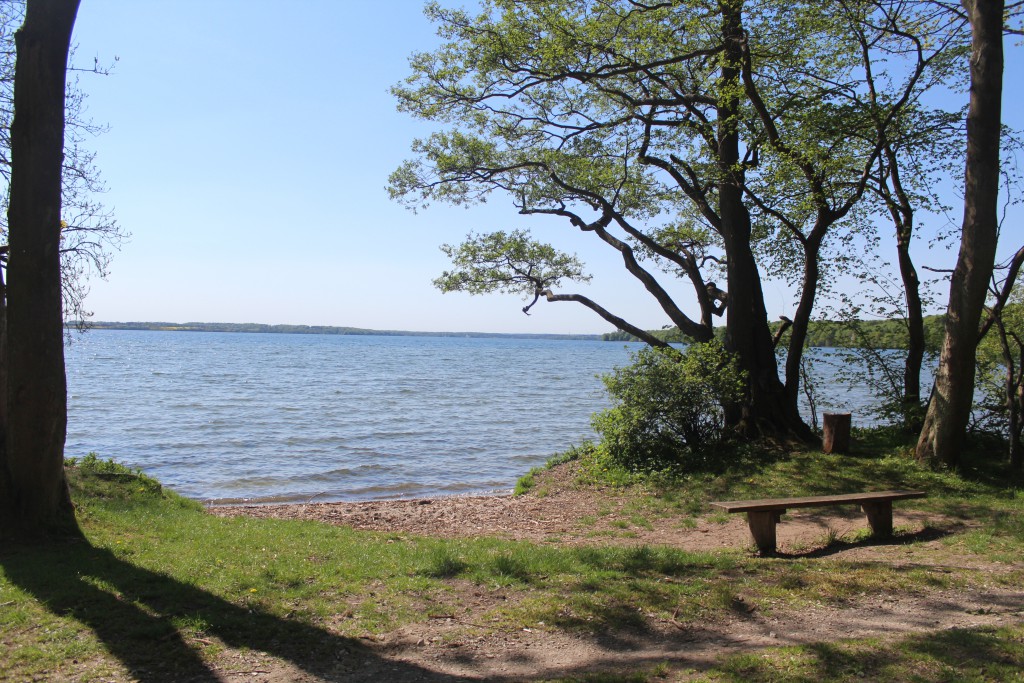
(529, 480)
(981, 654)
(160, 590)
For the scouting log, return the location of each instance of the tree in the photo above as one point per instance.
(34, 497)
(89, 232)
(953, 390)
(1001, 357)
(724, 135)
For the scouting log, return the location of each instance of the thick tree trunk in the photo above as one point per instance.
(953, 392)
(34, 499)
(3, 378)
(766, 409)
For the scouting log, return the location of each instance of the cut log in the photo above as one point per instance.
(836, 428)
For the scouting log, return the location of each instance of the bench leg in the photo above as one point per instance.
(879, 517)
(762, 528)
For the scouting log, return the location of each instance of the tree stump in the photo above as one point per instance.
(836, 427)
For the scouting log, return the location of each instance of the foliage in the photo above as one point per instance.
(1000, 373)
(92, 471)
(669, 407)
(686, 136)
(511, 263)
(851, 333)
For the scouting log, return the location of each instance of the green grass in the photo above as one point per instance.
(160, 586)
(528, 481)
(979, 654)
(160, 590)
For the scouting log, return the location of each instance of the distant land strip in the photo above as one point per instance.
(885, 334)
(876, 334)
(315, 329)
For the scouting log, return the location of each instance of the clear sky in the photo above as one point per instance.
(248, 149)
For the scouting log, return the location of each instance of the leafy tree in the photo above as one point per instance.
(34, 498)
(669, 407)
(913, 156)
(713, 137)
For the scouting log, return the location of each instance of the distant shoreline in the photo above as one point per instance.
(259, 328)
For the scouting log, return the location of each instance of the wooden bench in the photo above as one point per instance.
(763, 515)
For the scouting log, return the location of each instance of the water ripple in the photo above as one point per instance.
(274, 417)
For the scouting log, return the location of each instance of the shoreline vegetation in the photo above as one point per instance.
(878, 334)
(882, 334)
(593, 578)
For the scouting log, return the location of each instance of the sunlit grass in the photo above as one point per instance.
(158, 577)
(980, 654)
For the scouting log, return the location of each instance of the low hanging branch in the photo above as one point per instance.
(620, 323)
(513, 263)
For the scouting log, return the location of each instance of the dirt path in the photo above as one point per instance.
(447, 650)
(568, 515)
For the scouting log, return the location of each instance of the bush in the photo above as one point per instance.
(668, 409)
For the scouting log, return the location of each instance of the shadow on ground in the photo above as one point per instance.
(138, 615)
(899, 538)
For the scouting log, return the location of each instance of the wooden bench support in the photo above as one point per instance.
(879, 517)
(764, 515)
(762, 528)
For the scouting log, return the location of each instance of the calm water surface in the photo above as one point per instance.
(275, 417)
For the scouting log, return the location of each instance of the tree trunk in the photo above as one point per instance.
(34, 498)
(901, 210)
(953, 392)
(802, 315)
(904, 220)
(916, 342)
(1016, 427)
(748, 335)
(3, 382)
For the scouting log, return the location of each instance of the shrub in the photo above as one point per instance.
(668, 407)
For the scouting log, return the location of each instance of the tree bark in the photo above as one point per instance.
(34, 497)
(802, 315)
(766, 408)
(953, 391)
(903, 218)
(619, 323)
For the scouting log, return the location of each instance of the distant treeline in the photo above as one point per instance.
(882, 334)
(316, 329)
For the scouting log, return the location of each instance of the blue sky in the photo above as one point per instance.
(248, 150)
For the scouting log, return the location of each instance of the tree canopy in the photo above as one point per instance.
(698, 139)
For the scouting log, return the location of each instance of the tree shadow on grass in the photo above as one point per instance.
(138, 616)
(837, 546)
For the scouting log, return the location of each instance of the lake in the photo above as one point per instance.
(228, 417)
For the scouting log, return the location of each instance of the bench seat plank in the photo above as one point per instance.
(814, 501)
